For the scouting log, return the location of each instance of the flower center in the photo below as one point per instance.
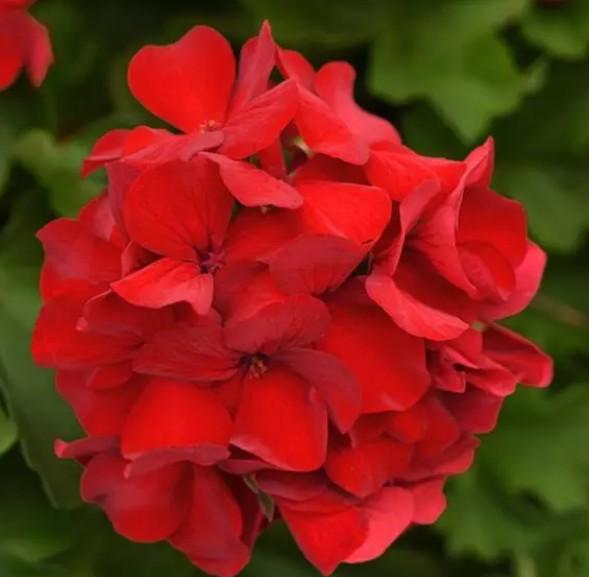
(209, 126)
(212, 262)
(258, 365)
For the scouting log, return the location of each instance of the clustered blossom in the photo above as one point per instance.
(24, 44)
(279, 312)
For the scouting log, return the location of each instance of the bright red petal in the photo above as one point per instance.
(170, 415)
(165, 282)
(186, 83)
(258, 123)
(334, 83)
(280, 421)
(324, 131)
(254, 187)
(177, 209)
(388, 363)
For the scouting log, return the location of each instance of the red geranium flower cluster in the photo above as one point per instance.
(24, 43)
(279, 311)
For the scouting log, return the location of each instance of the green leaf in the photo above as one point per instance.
(8, 432)
(562, 30)
(57, 168)
(31, 530)
(319, 24)
(541, 447)
(450, 54)
(40, 414)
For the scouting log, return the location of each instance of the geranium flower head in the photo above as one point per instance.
(276, 312)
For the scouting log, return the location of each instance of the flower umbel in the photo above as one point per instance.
(277, 312)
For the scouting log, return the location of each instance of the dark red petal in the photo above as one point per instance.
(296, 321)
(388, 514)
(256, 61)
(258, 124)
(174, 415)
(475, 411)
(211, 533)
(57, 342)
(334, 83)
(388, 363)
(412, 314)
(429, 501)
(84, 449)
(527, 282)
(254, 187)
(489, 218)
(527, 361)
(74, 252)
(107, 148)
(442, 428)
(186, 83)
(101, 413)
(324, 131)
(273, 229)
(314, 264)
(336, 385)
(354, 211)
(325, 539)
(188, 352)
(291, 486)
(364, 469)
(165, 282)
(178, 208)
(280, 421)
(110, 376)
(145, 508)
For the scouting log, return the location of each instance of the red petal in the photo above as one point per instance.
(145, 508)
(336, 385)
(107, 148)
(334, 83)
(74, 252)
(388, 363)
(101, 413)
(280, 422)
(364, 469)
(254, 187)
(165, 282)
(294, 65)
(172, 415)
(273, 228)
(57, 342)
(188, 352)
(297, 321)
(442, 429)
(325, 132)
(429, 501)
(388, 514)
(192, 214)
(211, 533)
(259, 122)
(411, 313)
(186, 83)
(256, 61)
(475, 411)
(327, 539)
(314, 264)
(527, 281)
(527, 361)
(354, 211)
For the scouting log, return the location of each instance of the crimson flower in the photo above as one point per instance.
(279, 313)
(24, 44)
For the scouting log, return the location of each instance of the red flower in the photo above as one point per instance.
(282, 314)
(24, 44)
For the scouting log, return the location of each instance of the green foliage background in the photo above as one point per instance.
(447, 72)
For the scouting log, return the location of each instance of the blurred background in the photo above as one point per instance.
(447, 73)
